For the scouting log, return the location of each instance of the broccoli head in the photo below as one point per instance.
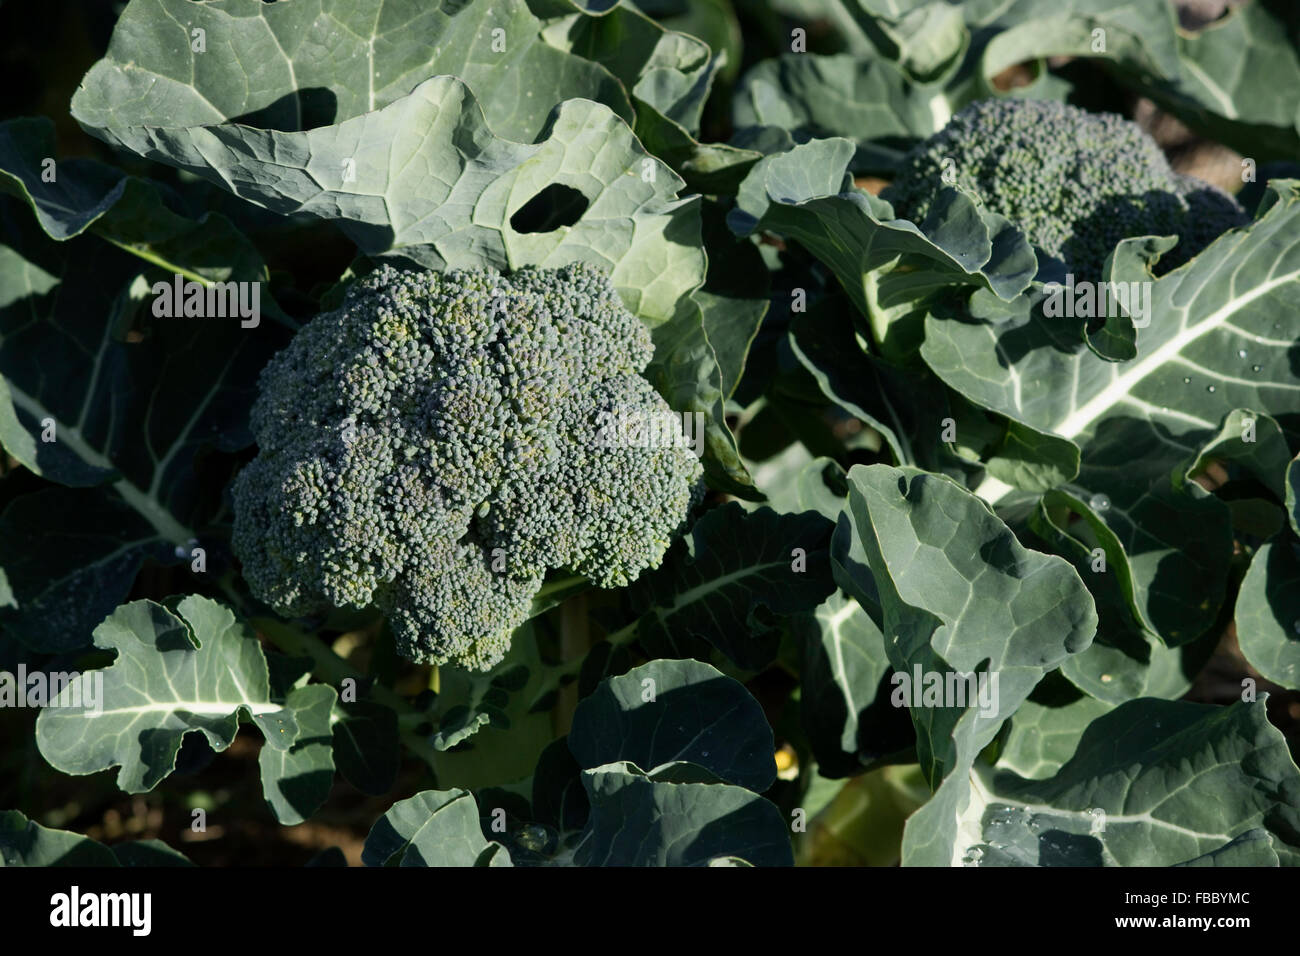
(439, 442)
(1075, 183)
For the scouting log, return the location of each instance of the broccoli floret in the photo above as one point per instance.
(1075, 183)
(434, 446)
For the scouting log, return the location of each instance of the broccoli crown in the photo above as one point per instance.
(438, 443)
(1075, 183)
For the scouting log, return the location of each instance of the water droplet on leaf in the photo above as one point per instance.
(532, 837)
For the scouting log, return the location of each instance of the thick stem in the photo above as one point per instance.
(575, 641)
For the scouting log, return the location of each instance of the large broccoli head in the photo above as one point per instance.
(1075, 183)
(441, 440)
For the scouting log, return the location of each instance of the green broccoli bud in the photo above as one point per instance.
(1075, 183)
(433, 448)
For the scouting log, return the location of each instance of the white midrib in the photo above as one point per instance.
(162, 521)
(1226, 106)
(993, 491)
(202, 708)
(687, 598)
(838, 618)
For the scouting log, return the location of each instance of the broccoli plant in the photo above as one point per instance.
(442, 440)
(1074, 182)
(558, 433)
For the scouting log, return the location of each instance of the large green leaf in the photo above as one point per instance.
(843, 707)
(296, 781)
(409, 162)
(959, 594)
(189, 666)
(962, 602)
(667, 817)
(84, 403)
(1042, 737)
(132, 213)
(1235, 79)
(300, 64)
(25, 842)
(738, 569)
(1229, 80)
(1220, 339)
(667, 711)
(69, 556)
(1152, 783)
(1268, 611)
(1268, 605)
(432, 828)
(131, 412)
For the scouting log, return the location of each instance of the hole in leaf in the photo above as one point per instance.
(555, 206)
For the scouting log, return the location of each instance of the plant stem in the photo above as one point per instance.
(575, 641)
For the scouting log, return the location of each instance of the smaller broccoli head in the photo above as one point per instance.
(434, 447)
(1075, 183)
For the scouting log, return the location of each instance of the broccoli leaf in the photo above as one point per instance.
(740, 569)
(965, 604)
(436, 166)
(673, 816)
(888, 267)
(1222, 342)
(1152, 783)
(189, 666)
(1268, 606)
(844, 697)
(433, 828)
(676, 710)
(24, 842)
(296, 781)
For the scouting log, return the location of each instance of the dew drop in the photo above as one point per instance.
(532, 837)
(1241, 353)
(1187, 380)
(1098, 502)
(1209, 388)
(1255, 368)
